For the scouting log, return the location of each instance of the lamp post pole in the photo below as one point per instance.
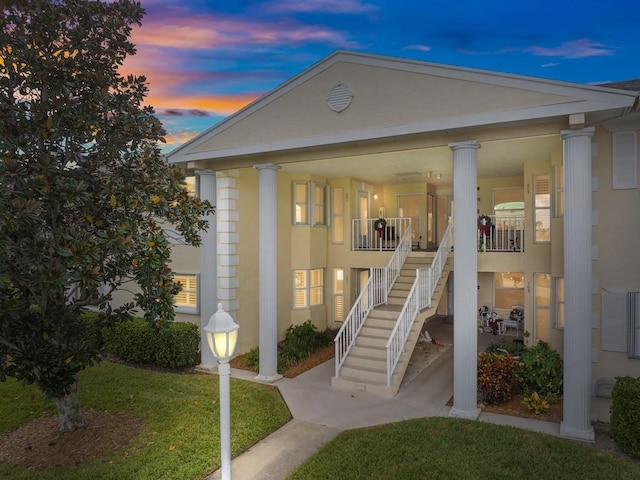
(224, 369)
(222, 336)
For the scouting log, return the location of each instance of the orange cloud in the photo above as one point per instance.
(219, 104)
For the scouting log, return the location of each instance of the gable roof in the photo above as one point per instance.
(392, 97)
(633, 85)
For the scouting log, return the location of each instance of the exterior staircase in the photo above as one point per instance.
(365, 366)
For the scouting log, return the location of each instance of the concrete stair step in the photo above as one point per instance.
(374, 376)
(397, 301)
(358, 361)
(370, 352)
(367, 341)
(387, 323)
(379, 313)
(375, 331)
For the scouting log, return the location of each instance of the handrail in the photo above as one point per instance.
(374, 293)
(420, 297)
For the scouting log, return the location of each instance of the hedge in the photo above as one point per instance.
(625, 415)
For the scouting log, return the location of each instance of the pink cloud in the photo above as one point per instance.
(580, 48)
(204, 32)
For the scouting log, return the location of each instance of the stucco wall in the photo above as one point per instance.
(615, 235)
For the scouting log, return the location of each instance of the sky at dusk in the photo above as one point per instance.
(206, 59)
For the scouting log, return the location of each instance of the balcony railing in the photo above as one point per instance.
(504, 234)
(365, 237)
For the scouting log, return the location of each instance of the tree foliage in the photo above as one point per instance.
(84, 190)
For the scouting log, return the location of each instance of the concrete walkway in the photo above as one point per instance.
(320, 412)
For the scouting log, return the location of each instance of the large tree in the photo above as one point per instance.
(84, 190)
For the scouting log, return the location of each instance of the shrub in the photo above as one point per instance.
(300, 341)
(540, 370)
(136, 341)
(536, 403)
(252, 359)
(625, 415)
(496, 377)
(93, 323)
(515, 349)
(179, 345)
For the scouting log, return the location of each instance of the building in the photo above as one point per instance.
(301, 176)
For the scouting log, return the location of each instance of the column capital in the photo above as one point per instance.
(582, 132)
(267, 166)
(205, 171)
(463, 145)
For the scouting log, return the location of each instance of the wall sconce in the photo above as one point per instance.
(375, 196)
(439, 176)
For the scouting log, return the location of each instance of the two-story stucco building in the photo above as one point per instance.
(301, 176)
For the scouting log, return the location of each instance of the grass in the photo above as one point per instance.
(181, 414)
(449, 448)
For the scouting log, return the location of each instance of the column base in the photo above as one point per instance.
(466, 414)
(268, 378)
(207, 368)
(575, 434)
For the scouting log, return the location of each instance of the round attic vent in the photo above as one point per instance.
(339, 97)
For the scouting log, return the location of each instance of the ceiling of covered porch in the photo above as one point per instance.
(433, 164)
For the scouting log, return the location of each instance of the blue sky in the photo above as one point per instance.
(206, 59)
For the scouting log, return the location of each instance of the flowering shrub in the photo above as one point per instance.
(496, 377)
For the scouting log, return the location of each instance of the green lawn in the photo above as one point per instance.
(449, 448)
(181, 435)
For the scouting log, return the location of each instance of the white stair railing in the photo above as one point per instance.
(420, 297)
(365, 237)
(374, 293)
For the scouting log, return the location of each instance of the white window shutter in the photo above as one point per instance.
(625, 160)
(614, 320)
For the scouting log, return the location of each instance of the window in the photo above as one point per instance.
(542, 306)
(308, 286)
(191, 185)
(301, 203)
(625, 160)
(542, 217)
(319, 201)
(304, 195)
(338, 294)
(186, 300)
(508, 290)
(338, 215)
(559, 302)
(559, 191)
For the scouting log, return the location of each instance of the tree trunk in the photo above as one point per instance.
(69, 414)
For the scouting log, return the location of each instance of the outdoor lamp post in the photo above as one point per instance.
(222, 336)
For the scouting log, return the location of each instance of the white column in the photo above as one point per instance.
(576, 421)
(208, 267)
(465, 280)
(268, 271)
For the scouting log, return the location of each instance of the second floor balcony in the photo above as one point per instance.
(496, 233)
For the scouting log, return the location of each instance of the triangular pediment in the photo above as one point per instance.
(354, 97)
